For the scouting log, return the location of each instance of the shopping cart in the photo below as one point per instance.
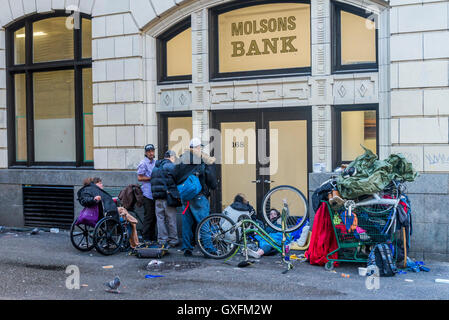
(360, 225)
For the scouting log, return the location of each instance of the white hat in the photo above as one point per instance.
(195, 142)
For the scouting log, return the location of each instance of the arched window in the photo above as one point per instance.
(260, 38)
(50, 118)
(175, 53)
(354, 39)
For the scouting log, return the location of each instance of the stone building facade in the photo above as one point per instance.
(400, 93)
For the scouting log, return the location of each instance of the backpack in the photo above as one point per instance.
(381, 257)
(190, 188)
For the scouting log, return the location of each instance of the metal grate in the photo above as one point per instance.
(48, 207)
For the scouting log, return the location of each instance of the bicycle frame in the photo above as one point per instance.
(264, 235)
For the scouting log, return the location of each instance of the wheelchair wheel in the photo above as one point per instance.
(216, 236)
(285, 198)
(108, 236)
(81, 236)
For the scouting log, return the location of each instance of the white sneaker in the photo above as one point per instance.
(253, 254)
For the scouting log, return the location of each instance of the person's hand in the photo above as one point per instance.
(97, 198)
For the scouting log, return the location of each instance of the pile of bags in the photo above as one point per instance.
(372, 175)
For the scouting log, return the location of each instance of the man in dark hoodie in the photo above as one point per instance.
(161, 183)
(194, 161)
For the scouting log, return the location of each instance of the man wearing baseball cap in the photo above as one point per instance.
(144, 171)
(194, 161)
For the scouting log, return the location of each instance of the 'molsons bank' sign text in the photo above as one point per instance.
(263, 37)
(268, 45)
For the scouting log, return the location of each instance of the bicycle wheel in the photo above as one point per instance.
(390, 192)
(81, 236)
(216, 236)
(108, 236)
(291, 201)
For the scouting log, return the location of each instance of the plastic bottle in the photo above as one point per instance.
(304, 234)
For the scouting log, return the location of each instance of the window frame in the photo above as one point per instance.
(77, 64)
(162, 124)
(337, 66)
(161, 50)
(337, 128)
(214, 73)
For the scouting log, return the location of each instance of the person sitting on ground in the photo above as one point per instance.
(239, 207)
(264, 247)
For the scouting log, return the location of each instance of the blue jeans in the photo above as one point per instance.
(198, 209)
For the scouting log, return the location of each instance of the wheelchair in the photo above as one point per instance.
(108, 236)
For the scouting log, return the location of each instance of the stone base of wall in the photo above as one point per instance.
(12, 180)
(429, 197)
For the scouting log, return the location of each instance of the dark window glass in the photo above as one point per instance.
(50, 110)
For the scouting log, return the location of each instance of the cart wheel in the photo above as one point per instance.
(329, 266)
(108, 236)
(81, 236)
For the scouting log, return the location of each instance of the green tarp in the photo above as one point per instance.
(374, 175)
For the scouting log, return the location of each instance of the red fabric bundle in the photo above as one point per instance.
(323, 239)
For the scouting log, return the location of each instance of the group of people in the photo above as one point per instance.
(159, 180)
(161, 197)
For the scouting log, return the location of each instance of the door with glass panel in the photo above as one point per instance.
(260, 150)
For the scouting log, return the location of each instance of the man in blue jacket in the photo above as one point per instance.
(161, 184)
(190, 162)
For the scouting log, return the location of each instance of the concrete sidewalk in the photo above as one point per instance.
(33, 267)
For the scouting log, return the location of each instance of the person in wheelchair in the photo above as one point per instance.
(93, 194)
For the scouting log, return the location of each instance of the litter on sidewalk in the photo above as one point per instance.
(442, 281)
(150, 276)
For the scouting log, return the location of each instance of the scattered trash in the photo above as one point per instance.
(34, 231)
(108, 267)
(362, 271)
(442, 281)
(402, 272)
(155, 262)
(245, 263)
(416, 266)
(54, 230)
(177, 265)
(408, 280)
(344, 275)
(150, 276)
(300, 258)
(84, 285)
(113, 285)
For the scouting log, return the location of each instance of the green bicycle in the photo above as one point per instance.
(220, 237)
